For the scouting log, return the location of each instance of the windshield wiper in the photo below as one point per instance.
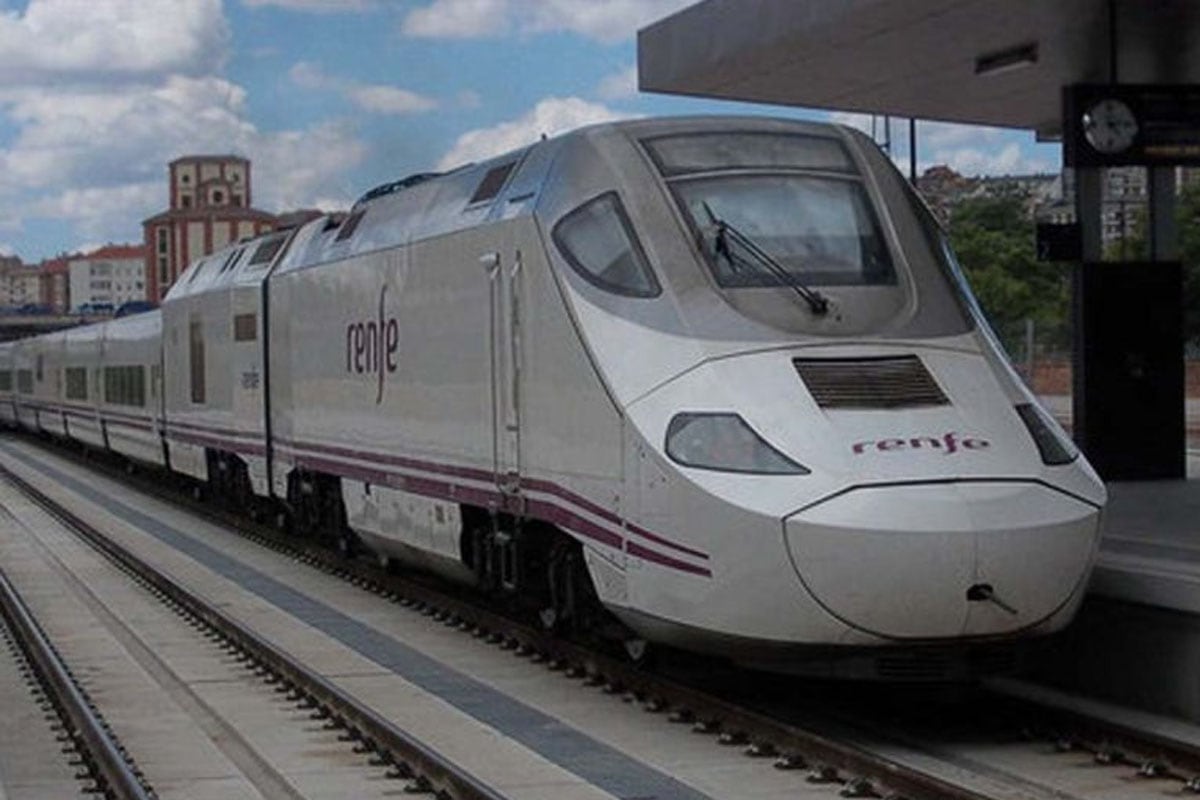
(817, 302)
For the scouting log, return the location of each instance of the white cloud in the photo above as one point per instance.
(459, 19)
(852, 119)
(102, 39)
(967, 149)
(550, 117)
(374, 98)
(98, 211)
(97, 159)
(980, 150)
(305, 168)
(620, 85)
(606, 21)
(389, 100)
(315, 6)
(308, 75)
(6, 249)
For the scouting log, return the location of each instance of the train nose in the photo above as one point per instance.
(944, 559)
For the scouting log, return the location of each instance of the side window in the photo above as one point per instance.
(77, 383)
(245, 327)
(125, 386)
(598, 242)
(196, 347)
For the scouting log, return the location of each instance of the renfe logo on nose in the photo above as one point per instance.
(948, 443)
(371, 346)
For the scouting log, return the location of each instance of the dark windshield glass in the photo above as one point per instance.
(709, 152)
(821, 230)
(599, 244)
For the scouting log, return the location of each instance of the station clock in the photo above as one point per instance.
(1131, 125)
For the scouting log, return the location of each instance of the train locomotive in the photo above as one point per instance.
(718, 379)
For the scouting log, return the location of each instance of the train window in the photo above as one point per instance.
(76, 383)
(266, 251)
(350, 225)
(230, 260)
(245, 327)
(710, 152)
(125, 386)
(196, 351)
(598, 242)
(25, 381)
(6, 380)
(821, 230)
(492, 182)
(195, 270)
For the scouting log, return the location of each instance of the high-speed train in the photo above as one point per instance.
(718, 379)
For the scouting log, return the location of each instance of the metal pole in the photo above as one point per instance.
(1029, 336)
(912, 150)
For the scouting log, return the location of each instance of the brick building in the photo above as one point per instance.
(20, 284)
(210, 206)
(56, 284)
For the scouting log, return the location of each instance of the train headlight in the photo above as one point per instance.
(726, 443)
(1052, 443)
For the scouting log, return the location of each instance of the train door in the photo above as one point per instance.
(505, 279)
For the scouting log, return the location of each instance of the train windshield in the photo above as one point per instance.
(798, 198)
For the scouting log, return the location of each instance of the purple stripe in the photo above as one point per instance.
(565, 518)
(212, 429)
(248, 448)
(635, 549)
(485, 497)
(88, 412)
(135, 425)
(470, 473)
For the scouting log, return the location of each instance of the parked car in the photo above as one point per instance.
(134, 307)
(95, 309)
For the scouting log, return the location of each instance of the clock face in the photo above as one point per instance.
(1110, 126)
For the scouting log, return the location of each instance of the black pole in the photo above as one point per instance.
(912, 150)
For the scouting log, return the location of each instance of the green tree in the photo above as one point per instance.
(994, 239)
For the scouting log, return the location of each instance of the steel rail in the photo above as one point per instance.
(408, 754)
(829, 759)
(109, 764)
(764, 734)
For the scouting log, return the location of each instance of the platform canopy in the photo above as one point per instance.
(991, 62)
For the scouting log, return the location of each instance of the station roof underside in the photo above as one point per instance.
(991, 62)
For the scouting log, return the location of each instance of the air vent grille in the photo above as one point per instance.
(891, 382)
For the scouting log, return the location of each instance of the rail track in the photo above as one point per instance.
(83, 730)
(826, 745)
(426, 770)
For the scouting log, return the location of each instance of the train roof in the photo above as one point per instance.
(426, 205)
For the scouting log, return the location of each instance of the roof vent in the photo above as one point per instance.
(887, 382)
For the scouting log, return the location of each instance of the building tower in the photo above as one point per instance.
(210, 206)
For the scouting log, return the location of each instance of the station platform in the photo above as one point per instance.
(1136, 640)
(1150, 551)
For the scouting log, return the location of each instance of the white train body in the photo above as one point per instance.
(577, 338)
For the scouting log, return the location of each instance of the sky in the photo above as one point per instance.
(328, 98)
